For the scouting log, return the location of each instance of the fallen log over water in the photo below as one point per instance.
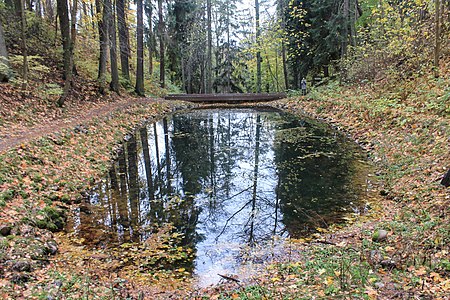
(227, 98)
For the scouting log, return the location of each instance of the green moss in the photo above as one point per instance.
(51, 218)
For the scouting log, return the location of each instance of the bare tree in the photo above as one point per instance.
(123, 38)
(162, 68)
(103, 39)
(63, 13)
(209, 49)
(150, 40)
(139, 89)
(258, 52)
(24, 45)
(73, 31)
(114, 84)
(437, 32)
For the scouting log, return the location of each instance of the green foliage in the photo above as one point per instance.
(50, 218)
(52, 89)
(36, 65)
(6, 196)
(5, 70)
(319, 33)
(394, 41)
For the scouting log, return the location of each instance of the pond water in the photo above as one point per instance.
(229, 181)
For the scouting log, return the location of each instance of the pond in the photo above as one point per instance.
(228, 181)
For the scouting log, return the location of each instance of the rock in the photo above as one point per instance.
(375, 257)
(379, 285)
(81, 129)
(389, 264)
(52, 247)
(5, 230)
(379, 235)
(20, 278)
(58, 283)
(22, 266)
(384, 193)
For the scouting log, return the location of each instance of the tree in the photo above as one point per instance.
(103, 42)
(162, 70)
(282, 17)
(123, 38)
(186, 52)
(5, 72)
(258, 51)
(73, 31)
(148, 8)
(63, 13)
(114, 84)
(437, 32)
(139, 89)
(320, 33)
(24, 45)
(209, 48)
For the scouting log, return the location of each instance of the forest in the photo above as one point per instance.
(221, 46)
(100, 177)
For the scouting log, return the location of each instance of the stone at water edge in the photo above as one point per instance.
(379, 235)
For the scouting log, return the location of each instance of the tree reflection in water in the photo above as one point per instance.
(227, 180)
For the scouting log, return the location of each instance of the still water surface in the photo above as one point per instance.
(229, 181)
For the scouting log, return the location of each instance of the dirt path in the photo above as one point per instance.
(22, 134)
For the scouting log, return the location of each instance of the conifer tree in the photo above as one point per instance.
(139, 88)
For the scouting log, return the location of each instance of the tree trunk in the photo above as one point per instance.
(103, 39)
(73, 32)
(437, 32)
(48, 10)
(63, 13)
(5, 71)
(24, 45)
(140, 50)
(258, 52)
(209, 49)
(281, 15)
(123, 39)
(38, 10)
(114, 84)
(228, 54)
(150, 42)
(162, 68)
(345, 15)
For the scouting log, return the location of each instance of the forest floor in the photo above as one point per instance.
(49, 156)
